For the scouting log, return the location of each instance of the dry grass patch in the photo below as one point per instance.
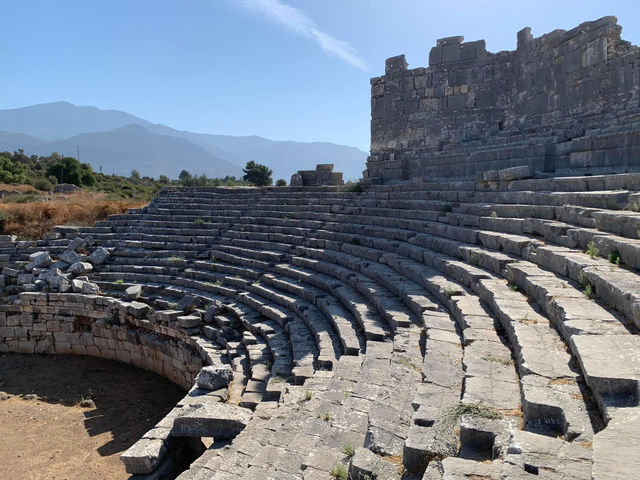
(34, 219)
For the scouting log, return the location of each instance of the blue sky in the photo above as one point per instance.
(282, 69)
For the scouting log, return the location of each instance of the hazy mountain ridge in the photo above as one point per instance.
(120, 142)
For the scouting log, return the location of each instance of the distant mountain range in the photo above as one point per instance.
(119, 142)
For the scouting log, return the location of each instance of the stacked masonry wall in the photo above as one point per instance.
(100, 327)
(567, 103)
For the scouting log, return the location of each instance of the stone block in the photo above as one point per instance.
(214, 377)
(144, 456)
(222, 421)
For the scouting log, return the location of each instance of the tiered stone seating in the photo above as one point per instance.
(441, 326)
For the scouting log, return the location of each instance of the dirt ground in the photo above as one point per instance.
(46, 435)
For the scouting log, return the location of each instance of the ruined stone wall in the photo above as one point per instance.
(97, 326)
(567, 102)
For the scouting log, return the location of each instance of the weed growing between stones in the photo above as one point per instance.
(325, 416)
(349, 450)
(339, 471)
(200, 221)
(446, 208)
(450, 291)
(120, 281)
(588, 290)
(494, 214)
(500, 360)
(407, 363)
(592, 250)
(513, 288)
(634, 206)
(614, 257)
(451, 417)
(308, 395)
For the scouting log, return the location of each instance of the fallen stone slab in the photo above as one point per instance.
(188, 303)
(72, 257)
(222, 421)
(80, 268)
(189, 321)
(132, 293)
(99, 256)
(213, 377)
(75, 244)
(144, 456)
(82, 286)
(40, 259)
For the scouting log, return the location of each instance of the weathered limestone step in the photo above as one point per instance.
(304, 269)
(221, 421)
(615, 449)
(442, 377)
(532, 455)
(611, 366)
(347, 334)
(453, 468)
(617, 286)
(570, 310)
(385, 302)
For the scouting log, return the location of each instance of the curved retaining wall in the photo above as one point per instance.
(102, 327)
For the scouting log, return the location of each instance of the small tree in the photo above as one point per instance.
(257, 174)
(135, 176)
(70, 170)
(281, 183)
(184, 176)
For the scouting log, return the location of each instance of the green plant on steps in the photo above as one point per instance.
(446, 208)
(592, 250)
(588, 290)
(349, 450)
(494, 214)
(614, 257)
(339, 472)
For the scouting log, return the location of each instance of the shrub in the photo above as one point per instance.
(592, 250)
(446, 208)
(26, 198)
(281, 182)
(4, 218)
(614, 257)
(43, 184)
(339, 472)
(356, 187)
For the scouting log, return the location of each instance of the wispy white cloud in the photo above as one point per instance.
(299, 23)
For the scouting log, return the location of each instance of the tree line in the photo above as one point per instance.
(44, 172)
